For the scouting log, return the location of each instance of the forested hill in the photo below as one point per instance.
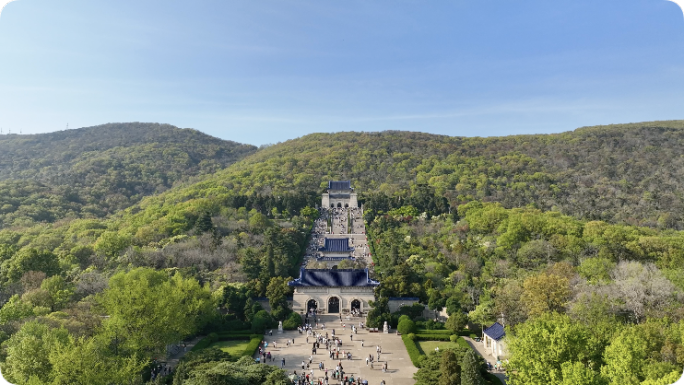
(631, 173)
(94, 171)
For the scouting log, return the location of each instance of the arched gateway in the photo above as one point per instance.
(355, 305)
(333, 290)
(333, 305)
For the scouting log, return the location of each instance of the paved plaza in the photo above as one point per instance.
(400, 369)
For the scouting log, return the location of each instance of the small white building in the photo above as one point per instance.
(494, 342)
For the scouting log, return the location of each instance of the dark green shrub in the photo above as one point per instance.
(281, 313)
(212, 337)
(413, 351)
(293, 321)
(254, 343)
(427, 336)
(414, 311)
(237, 325)
(406, 326)
(261, 321)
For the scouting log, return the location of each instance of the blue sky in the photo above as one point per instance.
(267, 71)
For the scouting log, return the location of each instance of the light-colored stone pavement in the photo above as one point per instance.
(480, 349)
(400, 369)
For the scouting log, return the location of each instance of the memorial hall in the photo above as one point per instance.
(333, 290)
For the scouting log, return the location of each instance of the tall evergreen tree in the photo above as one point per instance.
(451, 370)
(470, 374)
(204, 223)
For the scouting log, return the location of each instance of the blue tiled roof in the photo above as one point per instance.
(339, 185)
(334, 278)
(495, 332)
(336, 246)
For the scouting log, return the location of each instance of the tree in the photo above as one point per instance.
(456, 322)
(508, 301)
(451, 370)
(541, 345)
(193, 359)
(235, 299)
(626, 357)
(148, 309)
(32, 279)
(28, 352)
(31, 260)
(310, 213)
(59, 290)
(452, 305)
(535, 253)
(483, 314)
(261, 321)
(406, 326)
(276, 292)
(15, 309)
(430, 372)
(643, 288)
(258, 223)
(470, 373)
(243, 372)
(596, 270)
(545, 293)
(575, 373)
(86, 361)
(204, 223)
(293, 321)
(111, 243)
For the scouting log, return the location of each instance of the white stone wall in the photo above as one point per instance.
(321, 295)
(352, 201)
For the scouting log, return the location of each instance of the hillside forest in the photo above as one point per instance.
(573, 240)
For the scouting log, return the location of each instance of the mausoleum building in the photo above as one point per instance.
(339, 194)
(333, 291)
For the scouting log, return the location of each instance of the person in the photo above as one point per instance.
(282, 363)
(270, 333)
(382, 382)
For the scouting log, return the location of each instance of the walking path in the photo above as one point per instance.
(480, 349)
(400, 369)
(174, 359)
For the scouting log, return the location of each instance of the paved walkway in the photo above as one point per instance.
(400, 369)
(480, 349)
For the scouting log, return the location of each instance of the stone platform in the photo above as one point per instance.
(400, 369)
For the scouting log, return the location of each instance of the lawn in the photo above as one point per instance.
(234, 348)
(429, 346)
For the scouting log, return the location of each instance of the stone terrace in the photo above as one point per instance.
(400, 369)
